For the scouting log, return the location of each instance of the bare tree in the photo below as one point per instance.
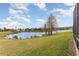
(51, 24)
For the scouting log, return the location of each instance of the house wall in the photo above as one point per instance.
(76, 24)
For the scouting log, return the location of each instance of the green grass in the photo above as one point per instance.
(42, 46)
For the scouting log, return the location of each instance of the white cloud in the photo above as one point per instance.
(63, 12)
(41, 20)
(57, 10)
(69, 4)
(23, 19)
(17, 10)
(72, 8)
(16, 18)
(28, 16)
(15, 24)
(8, 19)
(9, 22)
(14, 12)
(63, 15)
(20, 6)
(41, 6)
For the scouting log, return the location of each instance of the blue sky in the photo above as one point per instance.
(34, 15)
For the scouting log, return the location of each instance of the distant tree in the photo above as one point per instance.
(51, 24)
(45, 29)
(1, 30)
(5, 29)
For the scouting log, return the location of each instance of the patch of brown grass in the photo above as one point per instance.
(5, 32)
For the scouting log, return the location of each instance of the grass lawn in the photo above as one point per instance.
(42, 46)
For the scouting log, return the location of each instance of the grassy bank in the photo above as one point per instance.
(48, 45)
(3, 34)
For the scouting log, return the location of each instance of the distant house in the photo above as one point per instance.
(76, 24)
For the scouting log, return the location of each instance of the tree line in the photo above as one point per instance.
(49, 27)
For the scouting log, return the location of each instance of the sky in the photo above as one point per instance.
(34, 15)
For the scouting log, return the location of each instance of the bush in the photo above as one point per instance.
(16, 37)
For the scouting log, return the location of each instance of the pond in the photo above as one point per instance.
(24, 35)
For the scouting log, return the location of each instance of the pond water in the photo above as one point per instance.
(24, 35)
